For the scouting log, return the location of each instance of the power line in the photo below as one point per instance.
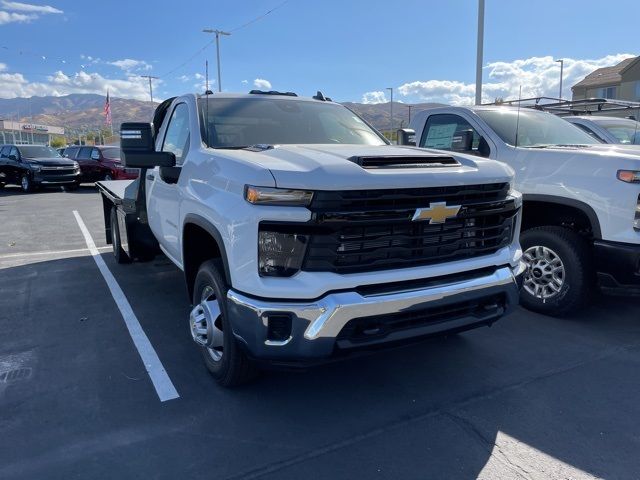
(260, 17)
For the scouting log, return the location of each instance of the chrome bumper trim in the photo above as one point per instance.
(328, 315)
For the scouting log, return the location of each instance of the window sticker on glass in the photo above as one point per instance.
(440, 136)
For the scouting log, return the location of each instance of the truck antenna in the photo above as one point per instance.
(206, 109)
(518, 116)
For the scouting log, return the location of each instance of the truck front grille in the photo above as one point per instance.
(373, 230)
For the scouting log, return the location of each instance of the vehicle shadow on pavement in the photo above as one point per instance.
(533, 396)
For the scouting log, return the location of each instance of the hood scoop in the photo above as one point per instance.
(402, 161)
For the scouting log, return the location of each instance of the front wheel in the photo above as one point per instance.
(211, 328)
(26, 184)
(558, 276)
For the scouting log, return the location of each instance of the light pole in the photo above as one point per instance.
(409, 107)
(391, 118)
(479, 52)
(150, 85)
(218, 33)
(561, 62)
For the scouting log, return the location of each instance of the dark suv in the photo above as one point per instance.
(31, 166)
(100, 163)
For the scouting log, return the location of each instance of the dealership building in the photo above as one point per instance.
(27, 133)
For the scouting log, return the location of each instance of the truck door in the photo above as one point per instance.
(163, 195)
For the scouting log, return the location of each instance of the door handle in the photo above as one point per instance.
(151, 176)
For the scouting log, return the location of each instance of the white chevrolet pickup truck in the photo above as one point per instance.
(303, 235)
(581, 198)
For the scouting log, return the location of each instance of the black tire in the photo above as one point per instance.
(234, 367)
(26, 185)
(118, 252)
(1, 186)
(577, 277)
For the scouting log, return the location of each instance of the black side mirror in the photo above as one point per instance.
(13, 157)
(407, 136)
(138, 151)
(463, 142)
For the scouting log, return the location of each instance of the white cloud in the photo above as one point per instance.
(3, 66)
(129, 64)
(244, 82)
(11, 17)
(27, 7)
(374, 97)
(262, 84)
(538, 76)
(16, 85)
(183, 78)
(198, 76)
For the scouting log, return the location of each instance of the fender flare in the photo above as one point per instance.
(569, 202)
(207, 226)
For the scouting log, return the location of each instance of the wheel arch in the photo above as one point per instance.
(201, 241)
(535, 201)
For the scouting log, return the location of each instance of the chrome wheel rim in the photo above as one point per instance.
(215, 352)
(108, 177)
(545, 275)
(25, 183)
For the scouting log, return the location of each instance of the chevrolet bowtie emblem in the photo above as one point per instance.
(437, 212)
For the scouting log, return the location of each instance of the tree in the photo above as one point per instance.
(58, 142)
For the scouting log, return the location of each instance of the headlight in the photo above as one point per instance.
(629, 176)
(76, 165)
(35, 167)
(280, 254)
(277, 196)
(636, 221)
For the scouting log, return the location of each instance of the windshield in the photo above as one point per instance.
(35, 151)
(240, 122)
(625, 130)
(111, 153)
(535, 129)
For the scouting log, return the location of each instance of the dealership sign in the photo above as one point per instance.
(33, 126)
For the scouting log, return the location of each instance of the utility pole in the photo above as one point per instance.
(150, 77)
(479, 53)
(561, 62)
(391, 117)
(218, 33)
(409, 107)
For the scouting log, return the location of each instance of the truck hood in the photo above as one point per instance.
(50, 162)
(333, 167)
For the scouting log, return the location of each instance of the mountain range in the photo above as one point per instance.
(85, 111)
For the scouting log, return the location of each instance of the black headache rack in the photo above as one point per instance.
(586, 106)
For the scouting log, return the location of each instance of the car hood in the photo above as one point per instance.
(332, 167)
(51, 162)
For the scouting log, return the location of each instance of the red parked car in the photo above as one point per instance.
(100, 163)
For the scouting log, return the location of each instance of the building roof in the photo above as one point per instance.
(606, 75)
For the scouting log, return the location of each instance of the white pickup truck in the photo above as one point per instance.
(581, 213)
(303, 235)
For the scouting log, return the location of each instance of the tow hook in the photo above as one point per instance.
(201, 322)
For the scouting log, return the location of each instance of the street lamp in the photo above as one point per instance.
(561, 62)
(391, 106)
(218, 33)
(479, 52)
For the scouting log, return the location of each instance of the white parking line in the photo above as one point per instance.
(48, 252)
(161, 381)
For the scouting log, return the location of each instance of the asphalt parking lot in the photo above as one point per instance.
(532, 397)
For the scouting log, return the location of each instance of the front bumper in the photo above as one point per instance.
(618, 266)
(51, 178)
(345, 321)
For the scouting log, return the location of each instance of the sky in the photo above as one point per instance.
(350, 50)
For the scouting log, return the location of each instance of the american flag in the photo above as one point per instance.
(107, 110)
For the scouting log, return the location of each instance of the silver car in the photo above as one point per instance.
(609, 129)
